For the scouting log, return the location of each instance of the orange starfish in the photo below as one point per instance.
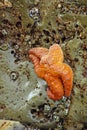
(49, 66)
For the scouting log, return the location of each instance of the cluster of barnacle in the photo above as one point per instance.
(46, 112)
(34, 13)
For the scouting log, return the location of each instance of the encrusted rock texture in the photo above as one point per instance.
(25, 24)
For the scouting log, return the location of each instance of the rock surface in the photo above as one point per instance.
(25, 24)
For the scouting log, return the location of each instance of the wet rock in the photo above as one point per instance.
(23, 95)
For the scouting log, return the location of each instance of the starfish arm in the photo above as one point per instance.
(39, 69)
(65, 73)
(50, 94)
(38, 52)
(55, 90)
(35, 61)
(67, 79)
(55, 54)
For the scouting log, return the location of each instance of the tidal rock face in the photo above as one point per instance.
(25, 24)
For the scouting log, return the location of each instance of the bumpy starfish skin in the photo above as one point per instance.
(56, 92)
(54, 55)
(45, 73)
(49, 66)
(39, 69)
(38, 51)
(65, 74)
